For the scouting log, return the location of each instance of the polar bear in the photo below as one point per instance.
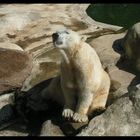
(83, 85)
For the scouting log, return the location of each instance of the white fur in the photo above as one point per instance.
(83, 85)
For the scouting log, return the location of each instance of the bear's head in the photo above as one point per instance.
(64, 39)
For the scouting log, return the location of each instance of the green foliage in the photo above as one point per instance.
(124, 15)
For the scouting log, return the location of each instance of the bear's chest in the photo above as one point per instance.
(69, 74)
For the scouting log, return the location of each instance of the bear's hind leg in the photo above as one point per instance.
(100, 99)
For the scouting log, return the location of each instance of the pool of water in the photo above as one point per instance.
(124, 15)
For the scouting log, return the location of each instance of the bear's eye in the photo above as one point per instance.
(66, 32)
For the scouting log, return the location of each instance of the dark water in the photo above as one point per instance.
(124, 15)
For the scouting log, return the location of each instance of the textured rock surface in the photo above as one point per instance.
(15, 17)
(11, 46)
(15, 66)
(12, 133)
(15, 130)
(104, 46)
(6, 99)
(131, 45)
(49, 129)
(120, 119)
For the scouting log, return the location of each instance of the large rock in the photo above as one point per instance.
(104, 46)
(120, 81)
(15, 66)
(131, 45)
(120, 119)
(50, 129)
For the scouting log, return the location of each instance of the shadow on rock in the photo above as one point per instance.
(32, 111)
(125, 64)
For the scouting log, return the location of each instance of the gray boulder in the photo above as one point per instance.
(131, 45)
(15, 66)
(50, 129)
(122, 118)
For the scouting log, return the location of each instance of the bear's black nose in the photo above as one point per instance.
(55, 36)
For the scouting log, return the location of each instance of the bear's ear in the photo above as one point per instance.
(83, 38)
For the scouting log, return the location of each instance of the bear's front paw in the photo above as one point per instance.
(67, 113)
(80, 117)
